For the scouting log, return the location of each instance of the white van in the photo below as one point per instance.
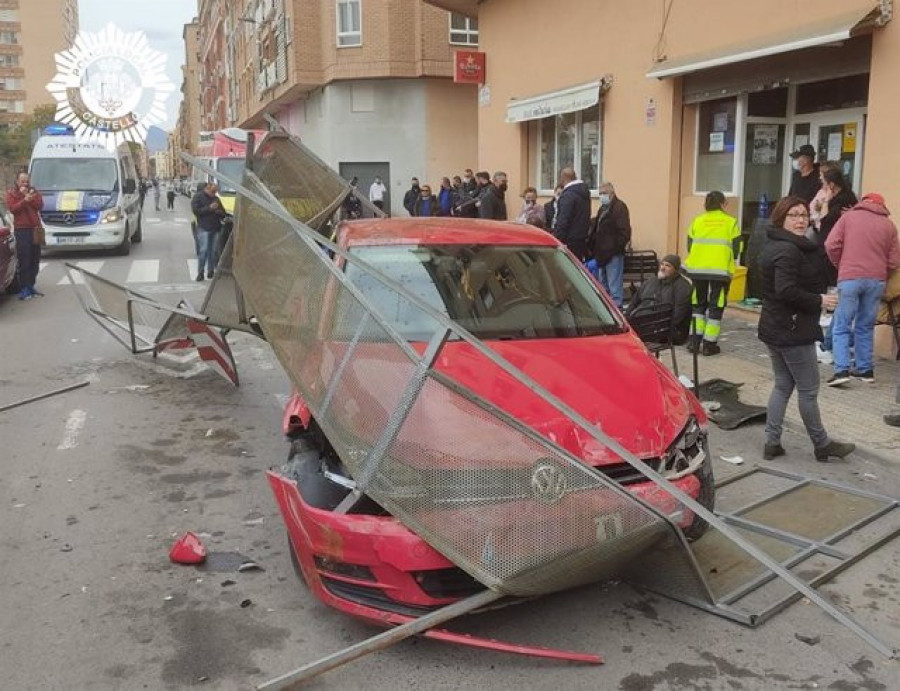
(90, 192)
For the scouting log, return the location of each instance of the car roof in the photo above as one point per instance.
(440, 231)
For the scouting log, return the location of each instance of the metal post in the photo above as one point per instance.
(39, 397)
(381, 641)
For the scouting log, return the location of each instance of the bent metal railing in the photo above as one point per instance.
(513, 509)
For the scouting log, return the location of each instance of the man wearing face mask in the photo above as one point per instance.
(573, 213)
(409, 199)
(493, 200)
(608, 239)
(469, 183)
(805, 180)
(668, 287)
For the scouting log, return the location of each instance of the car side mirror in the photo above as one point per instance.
(129, 186)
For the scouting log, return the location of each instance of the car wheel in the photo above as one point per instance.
(124, 249)
(13, 286)
(139, 233)
(706, 497)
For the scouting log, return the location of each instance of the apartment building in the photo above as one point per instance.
(189, 123)
(367, 84)
(31, 33)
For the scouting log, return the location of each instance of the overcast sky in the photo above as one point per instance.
(161, 20)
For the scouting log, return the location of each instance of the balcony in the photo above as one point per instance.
(469, 8)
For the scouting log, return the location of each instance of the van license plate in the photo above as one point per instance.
(63, 240)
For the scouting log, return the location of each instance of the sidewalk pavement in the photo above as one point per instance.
(852, 412)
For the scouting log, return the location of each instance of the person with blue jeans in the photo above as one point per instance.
(208, 209)
(864, 247)
(608, 238)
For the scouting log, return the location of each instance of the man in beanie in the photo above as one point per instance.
(668, 287)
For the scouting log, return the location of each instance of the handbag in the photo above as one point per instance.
(39, 237)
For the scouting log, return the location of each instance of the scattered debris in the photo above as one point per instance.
(250, 566)
(188, 549)
(254, 521)
(209, 432)
(202, 679)
(711, 406)
(869, 476)
(19, 506)
(246, 603)
(39, 397)
(66, 548)
(228, 582)
(809, 640)
(734, 460)
(685, 381)
(168, 597)
(224, 562)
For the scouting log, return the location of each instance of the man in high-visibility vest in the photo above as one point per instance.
(714, 242)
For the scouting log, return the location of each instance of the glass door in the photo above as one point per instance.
(836, 137)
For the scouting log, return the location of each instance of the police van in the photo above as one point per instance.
(90, 192)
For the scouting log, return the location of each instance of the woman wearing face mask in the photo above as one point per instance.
(532, 213)
(794, 284)
(818, 207)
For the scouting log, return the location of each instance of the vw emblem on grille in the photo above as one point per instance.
(68, 219)
(548, 483)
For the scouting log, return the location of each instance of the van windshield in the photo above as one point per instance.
(233, 168)
(80, 174)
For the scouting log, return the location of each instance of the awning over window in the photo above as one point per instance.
(811, 35)
(569, 100)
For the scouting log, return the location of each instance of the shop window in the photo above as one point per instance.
(570, 140)
(716, 146)
(463, 30)
(833, 94)
(349, 23)
(771, 103)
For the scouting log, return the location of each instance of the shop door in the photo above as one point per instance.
(837, 137)
(366, 174)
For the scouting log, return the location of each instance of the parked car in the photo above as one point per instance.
(9, 281)
(531, 301)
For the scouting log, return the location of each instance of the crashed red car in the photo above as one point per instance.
(540, 310)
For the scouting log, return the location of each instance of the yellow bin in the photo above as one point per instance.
(738, 287)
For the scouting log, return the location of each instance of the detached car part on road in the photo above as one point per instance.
(527, 298)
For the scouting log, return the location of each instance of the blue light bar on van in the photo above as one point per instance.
(57, 129)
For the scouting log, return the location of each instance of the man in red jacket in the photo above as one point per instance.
(864, 247)
(26, 203)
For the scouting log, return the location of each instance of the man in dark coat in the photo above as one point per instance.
(208, 209)
(805, 181)
(573, 213)
(411, 195)
(609, 238)
(493, 199)
(668, 287)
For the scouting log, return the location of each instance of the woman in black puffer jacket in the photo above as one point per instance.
(794, 279)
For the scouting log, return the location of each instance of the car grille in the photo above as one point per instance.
(625, 473)
(70, 218)
(444, 583)
(372, 597)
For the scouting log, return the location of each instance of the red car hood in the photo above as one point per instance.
(611, 380)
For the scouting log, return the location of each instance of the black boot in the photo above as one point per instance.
(771, 451)
(693, 344)
(892, 420)
(837, 449)
(710, 348)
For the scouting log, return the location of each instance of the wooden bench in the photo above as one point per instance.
(639, 266)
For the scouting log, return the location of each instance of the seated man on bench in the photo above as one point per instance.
(669, 286)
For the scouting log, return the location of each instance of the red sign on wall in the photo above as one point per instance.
(468, 67)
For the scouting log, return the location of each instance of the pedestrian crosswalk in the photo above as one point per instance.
(134, 272)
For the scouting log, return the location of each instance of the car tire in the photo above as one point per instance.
(13, 286)
(124, 249)
(706, 497)
(139, 233)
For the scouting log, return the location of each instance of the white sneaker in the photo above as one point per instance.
(824, 356)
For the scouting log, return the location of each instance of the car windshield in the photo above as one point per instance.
(233, 168)
(497, 292)
(77, 174)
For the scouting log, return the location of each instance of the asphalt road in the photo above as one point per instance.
(96, 482)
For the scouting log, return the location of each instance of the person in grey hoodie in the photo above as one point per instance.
(573, 213)
(864, 247)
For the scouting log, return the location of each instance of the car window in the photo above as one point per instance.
(498, 292)
(234, 169)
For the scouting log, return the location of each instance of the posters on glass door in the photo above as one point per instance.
(765, 145)
(835, 142)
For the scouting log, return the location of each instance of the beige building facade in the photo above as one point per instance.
(188, 125)
(672, 100)
(31, 33)
(367, 84)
